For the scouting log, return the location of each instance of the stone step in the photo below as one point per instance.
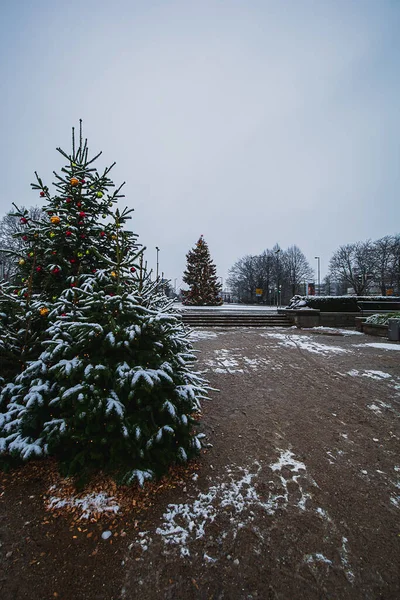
(234, 320)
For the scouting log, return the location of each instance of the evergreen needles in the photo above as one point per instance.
(103, 373)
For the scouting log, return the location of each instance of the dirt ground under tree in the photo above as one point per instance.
(295, 495)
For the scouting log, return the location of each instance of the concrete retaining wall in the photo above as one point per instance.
(315, 318)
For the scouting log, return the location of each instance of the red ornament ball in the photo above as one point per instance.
(102, 233)
(63, 314)
(79, 204)
(83, 180)
(133, 269)
(83, 236)
(68, 200)
(38, 269)
(56, 270)
(94, 270)
(72, 260)
(81, 223)
(68, 233)
(73, 284)
(23, 220)
(82, 214)
(25, 238)
(42, 194)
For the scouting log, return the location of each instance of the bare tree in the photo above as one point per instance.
(10, 227)
(242, 279)
(384, 252)
(354, 264)
(394, 279)
(297, 268)
(276, 272)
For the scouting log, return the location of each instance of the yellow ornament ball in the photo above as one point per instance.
(99, 194)
(74, 181)
(80, 254)
(113, 237)
(21, 262)
(87, 252)
(44, 311)
(55, 220)
(52, 234)
(113, 274)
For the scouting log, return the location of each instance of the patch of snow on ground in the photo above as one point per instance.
(333, 330)
(379, 346)
(344, 557)
(231, 361)
(317, 557)
(88, 505)
(224, 362)
(236, 498)
(202, 334)
(304, 342)
(377, 375)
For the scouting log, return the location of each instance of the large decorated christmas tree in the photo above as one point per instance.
(105, 376)
(201, 276)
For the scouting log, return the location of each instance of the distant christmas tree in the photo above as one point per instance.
(200, 275)
(105, 379)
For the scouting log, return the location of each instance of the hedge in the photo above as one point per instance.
(341, 303)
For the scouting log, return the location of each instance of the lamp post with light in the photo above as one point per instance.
(319, 274)
(158, 250)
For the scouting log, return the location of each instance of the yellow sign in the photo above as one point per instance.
(259, 292)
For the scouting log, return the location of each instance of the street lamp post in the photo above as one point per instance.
(158, 250)
(319, 274)
(278, 276)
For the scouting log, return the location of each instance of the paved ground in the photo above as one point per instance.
(296, 496)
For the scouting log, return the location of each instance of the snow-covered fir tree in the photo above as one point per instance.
(201, 276)
(112, 385)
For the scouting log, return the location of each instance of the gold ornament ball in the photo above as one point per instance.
(21, 262)
(113, 274)
(55, 220)
(113, 237)
(74, 181)
(44, 311)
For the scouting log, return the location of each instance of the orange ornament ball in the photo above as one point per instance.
(74, 181)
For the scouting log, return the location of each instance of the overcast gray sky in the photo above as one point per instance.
(251, 122)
